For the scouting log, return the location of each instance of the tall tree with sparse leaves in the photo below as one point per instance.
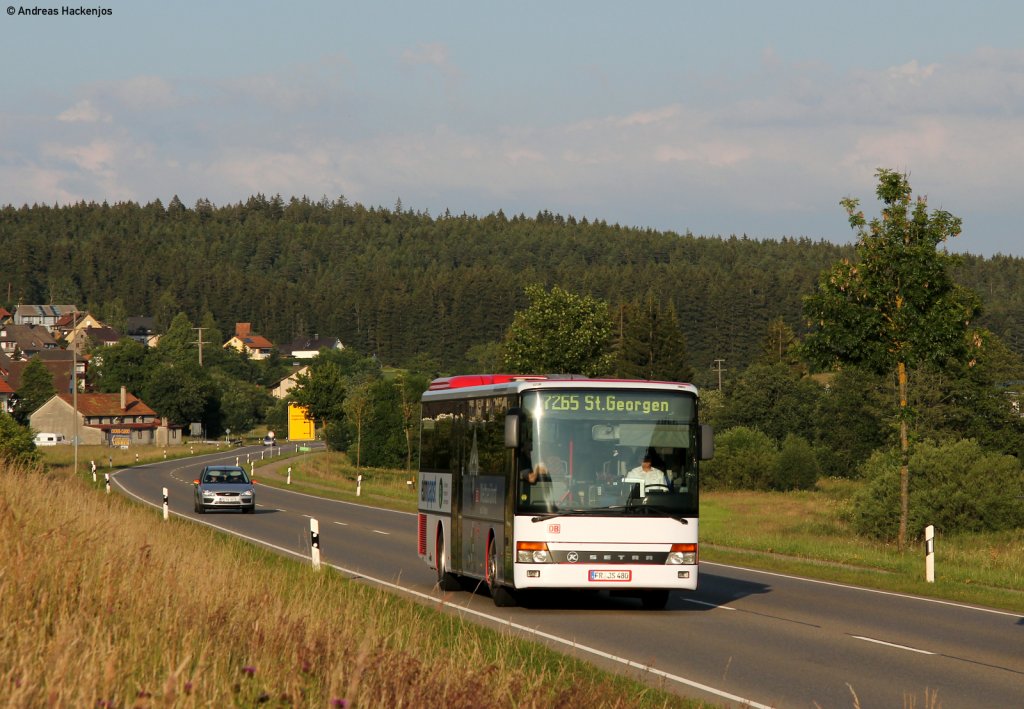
(895, 307)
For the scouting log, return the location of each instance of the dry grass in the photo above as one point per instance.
(106, 605)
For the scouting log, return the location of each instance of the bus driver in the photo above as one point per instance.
(647, 473)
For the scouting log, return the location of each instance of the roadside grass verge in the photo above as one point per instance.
(804, 533)
(107, 605)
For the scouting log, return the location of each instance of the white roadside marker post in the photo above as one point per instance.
(289, 475)
(359, 484)
(314, 542)
(106, 477)
(929, 553)
(92, 464)
(166, 506)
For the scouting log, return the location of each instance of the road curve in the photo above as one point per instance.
(745, 638)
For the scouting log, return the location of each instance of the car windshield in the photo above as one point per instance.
(232, 476)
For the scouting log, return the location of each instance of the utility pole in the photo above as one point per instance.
(200, 342)
(74, 380)
(719, 368)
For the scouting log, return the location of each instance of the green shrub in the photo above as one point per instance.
(745, 459)
(796, 466)
(958, 487)
(336, 435)
(17, 445)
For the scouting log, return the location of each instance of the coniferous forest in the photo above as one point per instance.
(408, 286)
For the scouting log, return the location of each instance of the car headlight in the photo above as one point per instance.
(248, 493)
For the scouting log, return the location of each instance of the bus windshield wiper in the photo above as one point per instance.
(619, 510)
(649, 510)
(570, 513)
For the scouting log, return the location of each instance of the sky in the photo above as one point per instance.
(714, 118)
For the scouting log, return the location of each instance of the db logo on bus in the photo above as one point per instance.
(554, 529)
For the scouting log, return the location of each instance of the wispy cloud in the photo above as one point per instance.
(85, 111)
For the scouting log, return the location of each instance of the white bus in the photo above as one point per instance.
(534, 482)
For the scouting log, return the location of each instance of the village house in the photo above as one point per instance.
(6, 394)
(120, 420)
(23, 341)
(142, 329)
(44, 315)
(69, 325)
(309, 347)
(281, 389)
(253, 346)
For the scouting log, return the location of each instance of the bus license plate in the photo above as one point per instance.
(610, 575)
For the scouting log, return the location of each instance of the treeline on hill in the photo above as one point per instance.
(429, 295)
(403, 285)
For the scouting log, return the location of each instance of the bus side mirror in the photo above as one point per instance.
(512, 429)
(707, 442)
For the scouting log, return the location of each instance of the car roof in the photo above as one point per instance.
(224, 467)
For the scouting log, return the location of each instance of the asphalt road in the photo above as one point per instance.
(746, 637)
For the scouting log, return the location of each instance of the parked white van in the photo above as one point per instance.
(50, 439)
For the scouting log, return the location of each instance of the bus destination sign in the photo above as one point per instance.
(629, 403)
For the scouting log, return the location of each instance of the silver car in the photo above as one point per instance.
(224, 487)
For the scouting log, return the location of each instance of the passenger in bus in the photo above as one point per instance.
(538, 473)
(648, 473)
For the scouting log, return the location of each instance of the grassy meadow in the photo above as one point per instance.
(105, 604)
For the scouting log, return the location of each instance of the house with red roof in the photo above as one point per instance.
(6, 393)
(122, 420)
(254, 346)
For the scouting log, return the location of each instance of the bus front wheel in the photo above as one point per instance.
(501, 595)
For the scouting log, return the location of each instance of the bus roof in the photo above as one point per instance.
(482, 383)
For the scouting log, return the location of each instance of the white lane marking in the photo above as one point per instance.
(925, 599)
(342, 502)
(899, 647)
(705, 603)
(343, 524)
(377, 531)
(434, 600)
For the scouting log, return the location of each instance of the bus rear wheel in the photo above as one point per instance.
(501, 595)
(446, 581)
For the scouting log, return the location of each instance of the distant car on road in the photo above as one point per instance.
(224, 487)
(269, 441)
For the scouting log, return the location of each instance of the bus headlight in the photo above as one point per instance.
(533, 553)
(682, 554)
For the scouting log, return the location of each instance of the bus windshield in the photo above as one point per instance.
(613, 451)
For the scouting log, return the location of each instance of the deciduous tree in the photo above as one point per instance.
(894, 307)
(560, 332)
(35, 390)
